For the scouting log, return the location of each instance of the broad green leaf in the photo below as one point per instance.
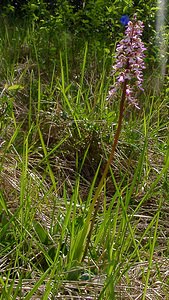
(41, 232)
(15, 87)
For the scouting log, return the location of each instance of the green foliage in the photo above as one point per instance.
(57, 126)
(99, 19)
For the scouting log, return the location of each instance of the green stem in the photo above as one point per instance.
(109, 161)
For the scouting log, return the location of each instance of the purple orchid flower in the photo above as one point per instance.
(130, 61)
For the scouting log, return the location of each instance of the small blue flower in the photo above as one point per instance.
(124, 20)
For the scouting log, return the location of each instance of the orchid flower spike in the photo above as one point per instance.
(130, 61)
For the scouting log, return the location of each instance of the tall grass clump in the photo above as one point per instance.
(83, 184)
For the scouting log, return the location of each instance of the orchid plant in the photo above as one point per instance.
(128, 67)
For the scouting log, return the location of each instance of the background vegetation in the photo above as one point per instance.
(56, 131)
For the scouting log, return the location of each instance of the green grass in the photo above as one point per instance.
(57, 128)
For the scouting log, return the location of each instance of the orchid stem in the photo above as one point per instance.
(104, 175)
